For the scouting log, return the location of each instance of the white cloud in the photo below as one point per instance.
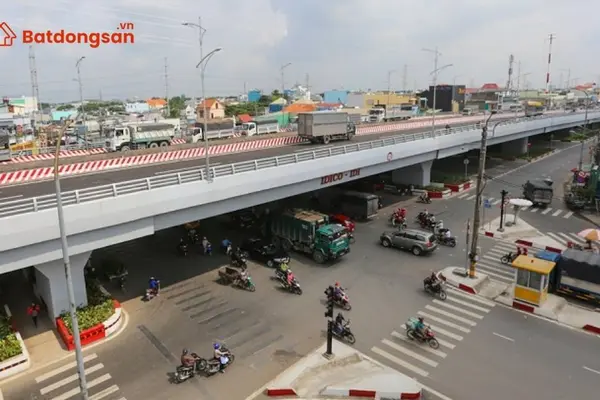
(340, 43)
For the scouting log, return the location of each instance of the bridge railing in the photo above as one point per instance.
(34, 204)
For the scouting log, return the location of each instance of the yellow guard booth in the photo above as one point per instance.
(532, 277)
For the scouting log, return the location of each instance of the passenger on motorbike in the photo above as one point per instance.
(402, 213)
(338, 292)
(290, 277)
(219, 355)
(338, 326)
(244, 275)
(424, 197)
(434, 280)
(187, 360)
(226, 246)
(448, 234)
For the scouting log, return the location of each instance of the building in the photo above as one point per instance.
(23, 105)
(277, 105)
(156, 104)
(254, 96)
(370, 100)
(63, 115)
(335, 96)
(448, 98)
(214, 108)
(138, 107)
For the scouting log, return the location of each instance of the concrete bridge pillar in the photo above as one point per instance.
(515, 147)
(418, 174)
(51, 284)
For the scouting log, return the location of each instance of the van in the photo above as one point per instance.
(468, 111)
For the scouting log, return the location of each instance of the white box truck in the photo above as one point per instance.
(381, 113)
(140, 136)
(323, 127)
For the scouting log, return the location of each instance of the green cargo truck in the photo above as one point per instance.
(310, 232)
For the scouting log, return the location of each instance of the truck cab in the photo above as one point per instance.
(376, 114)
(332, 241)
(118, 137)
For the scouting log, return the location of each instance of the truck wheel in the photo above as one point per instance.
(164, 144)
(153, 145)
(326, 139)
(319, 257)
(125, 148)
(349, 135)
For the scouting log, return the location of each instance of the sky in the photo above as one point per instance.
(338, 44)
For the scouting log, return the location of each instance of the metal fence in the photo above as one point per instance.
(45, 202)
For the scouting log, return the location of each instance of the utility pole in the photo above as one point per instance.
(389, 87)
(503, 193)
(518, 77)
(201, 32)
(551, 38)
(100, 94)
(473, 256)
(307, 86)
(283, 67)
(435, 73)
(35, 93)
(167, 87)
(245, 90)
(511, 61)
(405, 78)
(85, 128)
(329, 315)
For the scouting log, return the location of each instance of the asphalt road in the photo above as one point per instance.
(510, 355)
(104, 178)
(267, 330)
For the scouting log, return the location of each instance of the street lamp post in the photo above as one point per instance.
(202, 65)
(67, 264)
(435, 73)
(454, 87)
(282, 70)
(77, 65)
(389, 87)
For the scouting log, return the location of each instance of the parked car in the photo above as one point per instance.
(416, 241)
(263, 252)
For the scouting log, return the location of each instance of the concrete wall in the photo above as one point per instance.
(515, 147)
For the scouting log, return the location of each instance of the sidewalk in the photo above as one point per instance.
(43, 343)
(348, 374)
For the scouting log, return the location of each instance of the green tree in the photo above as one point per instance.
(176, 106)
(65, 107)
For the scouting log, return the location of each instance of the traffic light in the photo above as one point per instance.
(329, 293)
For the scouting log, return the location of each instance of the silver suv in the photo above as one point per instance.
(416, 241)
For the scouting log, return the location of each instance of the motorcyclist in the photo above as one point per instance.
(424, 197)
(187, 360)
(448, 234)
(218, 355)
(206, 246)
(236, 257)
(402, 213)
(283, 269)
(290, 277)
(434, 281)
(182, 246)
(338, 292)
(153, 285)
(420, 327)
(226, 246)
(244, 275)
(338, 326)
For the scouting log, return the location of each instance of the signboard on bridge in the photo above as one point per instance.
(340, 176)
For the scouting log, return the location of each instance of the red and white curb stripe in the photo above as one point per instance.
(363, 394)
(534, 310)
(36, 174)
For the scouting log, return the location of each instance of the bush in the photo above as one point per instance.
(5, 326)
(100, 307)
(434, 188)
(9, 347)
(454, 180)
(89, 316)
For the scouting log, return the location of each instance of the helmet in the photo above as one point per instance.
(151, 278)
(421, 319)
(184, 352)
(337, 284)
(216, 346)
(340, 315)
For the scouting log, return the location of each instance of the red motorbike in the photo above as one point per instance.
(399, 220)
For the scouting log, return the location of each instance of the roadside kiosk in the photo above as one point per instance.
(532, 276)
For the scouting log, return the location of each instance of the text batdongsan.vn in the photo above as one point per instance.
(93, 39)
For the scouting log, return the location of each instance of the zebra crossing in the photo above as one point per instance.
(451, 320)
(235, 327)
(548, 211)
(62, 382)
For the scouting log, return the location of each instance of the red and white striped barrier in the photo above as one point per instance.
(370, 394)
(36, 174)
(440, 123)
(50, 156)
(528, 244)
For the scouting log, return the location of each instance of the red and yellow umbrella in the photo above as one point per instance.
(590, 234)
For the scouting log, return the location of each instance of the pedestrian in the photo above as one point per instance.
(34, 311)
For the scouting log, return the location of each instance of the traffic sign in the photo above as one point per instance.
(486, 203)
(466, 161)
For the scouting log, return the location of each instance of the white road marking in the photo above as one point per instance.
(64, 368)
(471, 197)
(556, 213)
(443, 322)
(69, 379)
(410, 353)
(591, 370)
(426, 348)
(503, 337)
(547, 210)
(462, 196)
(496, 202)
(468, 304)
(534, 210)
(400, 362)
(434, 392)
(493, 273)
(524, 208)
(476, 299)
(567, 215)
(442, 331)
(457, 309)
(76, 391)
(106, 392)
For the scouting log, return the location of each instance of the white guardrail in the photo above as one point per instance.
(34, 204)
